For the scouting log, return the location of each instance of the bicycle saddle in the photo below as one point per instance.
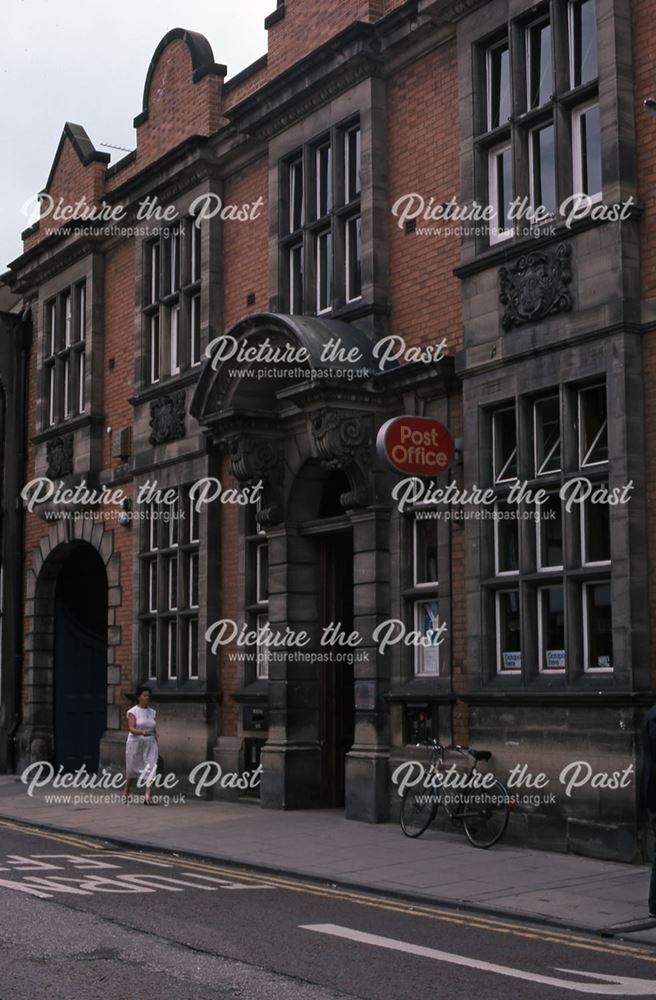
(481, 754)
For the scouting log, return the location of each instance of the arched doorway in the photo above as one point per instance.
(80, 659)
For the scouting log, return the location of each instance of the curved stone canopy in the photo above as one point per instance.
(219, 384)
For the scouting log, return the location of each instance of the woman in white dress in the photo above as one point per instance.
(141, 750)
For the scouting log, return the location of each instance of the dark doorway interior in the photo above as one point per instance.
(80, 659)
(337, 707)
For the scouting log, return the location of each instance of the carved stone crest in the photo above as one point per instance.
(167, 418)
(535, 285)
(59, 455)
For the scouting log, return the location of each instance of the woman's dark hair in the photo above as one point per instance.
(142, 688)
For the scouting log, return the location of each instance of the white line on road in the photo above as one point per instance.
(608, 985)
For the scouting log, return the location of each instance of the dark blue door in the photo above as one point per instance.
(80, 660)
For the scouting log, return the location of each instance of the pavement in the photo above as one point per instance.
(563, 890)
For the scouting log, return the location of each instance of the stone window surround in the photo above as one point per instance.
(486, 392)
(615, 101)
(364, 102)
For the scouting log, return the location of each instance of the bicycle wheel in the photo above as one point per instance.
(418, 810)
(485, 815)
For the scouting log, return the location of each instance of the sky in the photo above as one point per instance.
(85, 61)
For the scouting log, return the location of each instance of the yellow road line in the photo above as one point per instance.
(468, 920)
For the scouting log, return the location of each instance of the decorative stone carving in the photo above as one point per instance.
(535, 285)
(342, 438)
(256, 459)
(59, 455)
(167, 418)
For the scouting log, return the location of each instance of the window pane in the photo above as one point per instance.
(68, 320)
(425, 552)
(551, 609)
(598, 626)
(593, 418)
(67, 388)
(172, 650)
(540, 72)
(81, 312)
(549, 529)
(262, 573)
(509, 635)
(151, 648)
(51, 394)
(324, 180)
(52, 326)
(152, 585)
(193, 580)
(324, 266)
(505, 445)
(263, 650)
(506, 538)
(195, 251)
(547, 436)
(174, 260)
(173, 583)
(352, 155)
(596, 532)
(427, 623)
(173, 510)
(295, 195)
(195, 330)
(500, 192)
(498, 82)
(81, 366)
(543, 169)
(590, 151)
(296, 278)
(192, 648)
(154, 348)
(154, 271)
(175, 339)
(153, 522)
(353, 258)
(193, 522)
(583, 42)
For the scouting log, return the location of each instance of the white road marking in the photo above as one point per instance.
(226, 884)
(608, 985)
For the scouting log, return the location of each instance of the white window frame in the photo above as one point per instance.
(153, 522)
(544, 669)
(52, 326)
(174, 521)
(548, 472)
(429, 584)
(68, 318)
(421, 650)
(349, 135)
(81, 374)
(583, 507)
(577, 152)
(82, 311)
(347, 256)
(542, 567)
(295, 170)
(194, 521)
(174, 338)
(192, 668)
(258, 574)
(51, 395)
(571, 6)
(195, 350)
(497, 235)
(293, 284)
(329, 179)
(504, 44)
(543, 20)
(582, 463)
(321, 243)
(152, 585)
(500, 478)
(193, 575)
(497, 606)
(155, 335)
(262, 661)
(154, 271)
(172, 646)
(174, 261)
(196, 252)
(586, 640)
(171, 584)
(497, 571)
(67, 387)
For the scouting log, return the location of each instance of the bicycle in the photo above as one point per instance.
(483, 811)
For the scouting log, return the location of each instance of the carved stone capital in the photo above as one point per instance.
(253, 457)
(342, 438)
(167, 418)
(535, 285)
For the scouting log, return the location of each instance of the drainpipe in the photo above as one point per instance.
(21, 464)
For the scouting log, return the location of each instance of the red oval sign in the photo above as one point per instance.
(417, 446)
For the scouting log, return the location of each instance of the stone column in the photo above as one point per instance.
(291, 757)
(367, 796)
